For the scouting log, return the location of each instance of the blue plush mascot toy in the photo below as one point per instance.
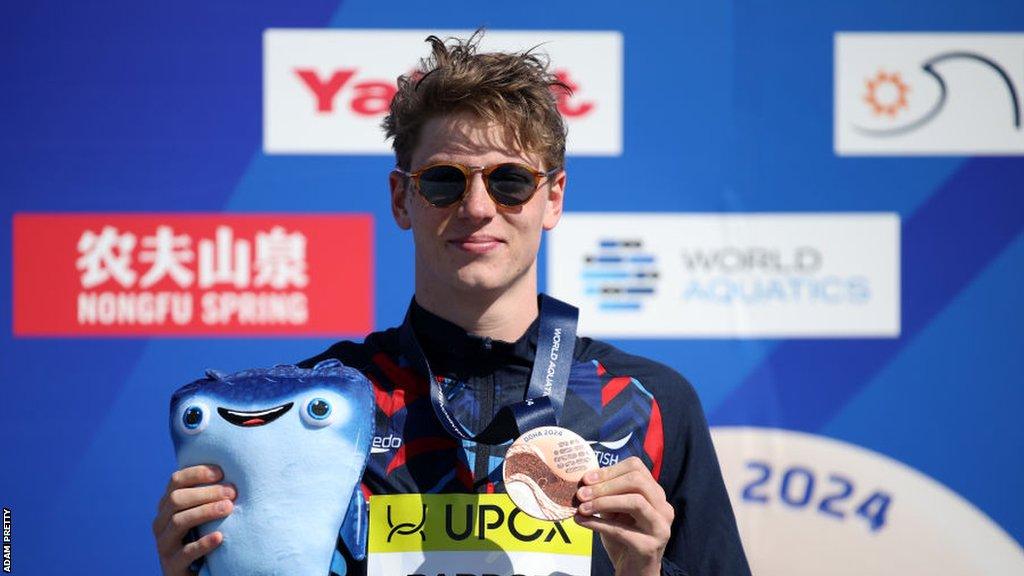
(294, 443)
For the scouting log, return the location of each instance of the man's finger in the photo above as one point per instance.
(624, 536)
(184, 478)
(193, 476)
(607, 526)
(184, 498)
(193, 551)
(635, 505)
(634, 481)
(181, 522)
(631, 464)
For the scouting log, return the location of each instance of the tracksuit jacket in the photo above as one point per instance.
(624, 405)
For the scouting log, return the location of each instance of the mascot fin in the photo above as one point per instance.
(354, 529)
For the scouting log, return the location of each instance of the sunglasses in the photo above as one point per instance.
(509, 184)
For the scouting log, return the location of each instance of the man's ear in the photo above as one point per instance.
(555, 200)
(399, 190)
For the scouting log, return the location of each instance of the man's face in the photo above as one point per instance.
(474, 245)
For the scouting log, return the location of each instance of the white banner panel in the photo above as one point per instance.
(808, 505)
(494, 563)
(650, 275)
(929, 93)
(327, 90)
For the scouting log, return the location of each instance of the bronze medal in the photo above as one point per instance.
(544, 468)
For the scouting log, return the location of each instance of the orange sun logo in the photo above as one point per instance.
(887, 93)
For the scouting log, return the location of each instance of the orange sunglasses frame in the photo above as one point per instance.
(468, 171)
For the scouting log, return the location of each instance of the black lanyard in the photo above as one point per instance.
(556, 342)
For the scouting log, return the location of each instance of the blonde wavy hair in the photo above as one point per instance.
(515, 90)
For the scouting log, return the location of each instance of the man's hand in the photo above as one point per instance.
(191, 499)
(635, 518)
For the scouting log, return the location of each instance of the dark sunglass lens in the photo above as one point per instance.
(511, 184)
(442, 185)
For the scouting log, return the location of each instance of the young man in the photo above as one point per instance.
(480, 150)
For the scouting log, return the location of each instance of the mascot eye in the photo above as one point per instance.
(319, 408)
(194, 418)
(318, 412)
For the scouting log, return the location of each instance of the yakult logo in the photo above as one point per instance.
(182, 274)
(366, 97)
(327, 90)
(373, 97)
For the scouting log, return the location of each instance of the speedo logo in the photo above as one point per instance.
(382, 444)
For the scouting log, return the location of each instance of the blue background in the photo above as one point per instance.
(156, 106)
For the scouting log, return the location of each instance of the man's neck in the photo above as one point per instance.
(501, 315)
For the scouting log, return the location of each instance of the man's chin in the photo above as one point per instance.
(474, 278)
(477, 284)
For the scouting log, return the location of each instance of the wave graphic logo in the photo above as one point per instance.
(929, 93)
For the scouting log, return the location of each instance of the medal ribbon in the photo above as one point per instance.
(549, 378)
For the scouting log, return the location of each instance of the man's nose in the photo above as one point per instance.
(477, 203)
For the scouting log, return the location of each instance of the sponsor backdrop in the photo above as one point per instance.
(812, 211)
